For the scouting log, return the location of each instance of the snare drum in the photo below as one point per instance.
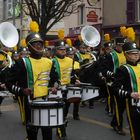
(74, 94)
(48, 113)
(89, 92)
(55, 97)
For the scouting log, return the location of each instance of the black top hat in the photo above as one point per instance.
(120, 40)
(130, 47)
(69, 50)
(33, 37)
(60, 45)
(108, 44)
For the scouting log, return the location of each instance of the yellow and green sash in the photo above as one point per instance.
(134, 72)
(38, 71)
(63, 68)
(118, 59)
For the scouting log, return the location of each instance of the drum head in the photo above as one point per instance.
(46, 104)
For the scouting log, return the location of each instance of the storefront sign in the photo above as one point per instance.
(92, 16)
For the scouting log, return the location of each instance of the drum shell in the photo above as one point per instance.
(89, 92)
(47, 114)
(74, 94)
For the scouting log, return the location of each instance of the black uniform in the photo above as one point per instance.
(123, 86)
(16, 82)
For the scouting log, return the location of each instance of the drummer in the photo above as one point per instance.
(70, 53)
(64, 68)
(25, 80)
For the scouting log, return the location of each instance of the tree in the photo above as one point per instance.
(48, 12)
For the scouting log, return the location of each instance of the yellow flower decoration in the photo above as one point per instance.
(69, 42)
(34, 27)
(61, 34)
(106, 37)
(15, 48)
(130, 34)
(79, 37)
(46, 43)
(123, 31)
(23, 43)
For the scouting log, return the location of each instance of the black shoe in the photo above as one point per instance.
(115, 128)
(83, 104)
(121, 132)
(76, 118)
(110, 114)
(91, 106)
(64, 138)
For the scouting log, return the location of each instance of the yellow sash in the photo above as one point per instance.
(41, 70)
(136, 70)
(121, 58)
(65, 70)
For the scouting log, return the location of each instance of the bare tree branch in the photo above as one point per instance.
(44, 11)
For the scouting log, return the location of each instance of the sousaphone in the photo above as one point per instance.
(90, 36)
(9, 38)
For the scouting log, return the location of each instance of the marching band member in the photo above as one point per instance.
(113, 60)
(64, 68)
(127, 86)
(24, 79)
(3, 70)
(70, 53)
(84, 57)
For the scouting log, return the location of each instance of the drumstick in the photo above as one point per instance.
(88, 84)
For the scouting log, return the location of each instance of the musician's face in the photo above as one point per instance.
(83, 50)
(119, 48)
(61, 53)
(132, 56)
(108, 50)
(36, 48)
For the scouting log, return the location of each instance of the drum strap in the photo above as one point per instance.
(133, 72)
(57, 66)
(29, 72)
(115, 60)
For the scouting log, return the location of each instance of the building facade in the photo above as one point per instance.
(90, 12)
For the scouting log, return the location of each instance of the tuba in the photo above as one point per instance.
(90, 36)
(9, 38)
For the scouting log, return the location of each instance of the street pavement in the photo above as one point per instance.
(93, 124)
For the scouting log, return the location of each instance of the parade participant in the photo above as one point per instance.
(108, 68)
(84, 57)
(76, 66)
(126, 85)
(4, 65)
(25, 79)
(64, 68)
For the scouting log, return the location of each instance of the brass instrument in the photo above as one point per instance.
(9, 38)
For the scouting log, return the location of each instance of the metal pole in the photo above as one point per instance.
(14, 22)
(21, 19)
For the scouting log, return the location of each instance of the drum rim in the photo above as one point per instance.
(41, 105)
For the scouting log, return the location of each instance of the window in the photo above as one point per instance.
(8, 8)
(81, 14)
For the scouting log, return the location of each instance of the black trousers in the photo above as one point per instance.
(119, 111)
(1, 99)
(133, 115)
(32, 132)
